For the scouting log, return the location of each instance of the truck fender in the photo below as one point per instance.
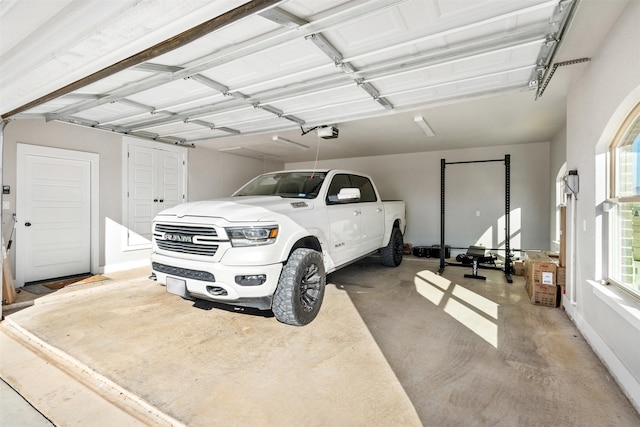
(397, 223)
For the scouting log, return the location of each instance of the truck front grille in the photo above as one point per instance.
(187, 248)
(186, 229)
(180, 238)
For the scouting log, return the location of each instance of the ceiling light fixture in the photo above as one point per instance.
(289, 142)
(245, 152)
(420, 121)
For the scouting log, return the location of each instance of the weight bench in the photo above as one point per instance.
(477, 255)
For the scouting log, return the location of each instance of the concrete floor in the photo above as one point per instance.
(395, 347)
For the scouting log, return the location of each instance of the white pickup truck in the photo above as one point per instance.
(270, 245)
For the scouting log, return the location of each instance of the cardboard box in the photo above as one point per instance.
(545, 295)
(540, 279)
(553, 255)
(561, 276)
(539, 268)
(518, 268)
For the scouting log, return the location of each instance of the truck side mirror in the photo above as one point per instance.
(349, 194)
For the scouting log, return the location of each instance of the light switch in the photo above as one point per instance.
(477, 213)
(6, 205)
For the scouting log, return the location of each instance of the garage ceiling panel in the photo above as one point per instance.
(219, 41)
(239, 116)
(114, 82)
(285, 60)
(370, 32)
(318, 99)
(174, 93)
(54, 105)
(355, 108)
(106, 112)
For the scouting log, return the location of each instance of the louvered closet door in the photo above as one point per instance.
(170, 185)
(155, 183)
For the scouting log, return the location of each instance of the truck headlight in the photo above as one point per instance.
(252, 236)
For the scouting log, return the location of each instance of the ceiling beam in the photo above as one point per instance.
(150, 67)
(334, 54)
(282, 17)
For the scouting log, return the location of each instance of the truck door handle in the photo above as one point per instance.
(27, 224)
(379, 210)
(356, 213)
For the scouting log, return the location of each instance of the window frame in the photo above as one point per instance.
(366, 182)
(617, 201)
(368, 196)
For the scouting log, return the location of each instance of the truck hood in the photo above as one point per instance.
(240, 209)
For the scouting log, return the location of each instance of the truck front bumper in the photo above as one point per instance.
(216, 281)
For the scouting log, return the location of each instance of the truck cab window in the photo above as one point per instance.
(367, 193)
(339, 182)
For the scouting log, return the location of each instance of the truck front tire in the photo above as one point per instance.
(391, 255)
(300, 290)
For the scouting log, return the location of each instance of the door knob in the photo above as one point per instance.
(27, 224)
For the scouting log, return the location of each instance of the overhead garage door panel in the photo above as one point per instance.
(309, 64)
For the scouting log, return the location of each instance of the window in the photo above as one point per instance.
(624, 212)
(302, 185)
(367, 194)
(338, 182)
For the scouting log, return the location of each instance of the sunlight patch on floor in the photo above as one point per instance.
(467, 307)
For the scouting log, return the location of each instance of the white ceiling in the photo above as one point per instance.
(284, 68)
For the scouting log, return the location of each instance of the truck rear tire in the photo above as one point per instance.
(300, 290)
(391, 255)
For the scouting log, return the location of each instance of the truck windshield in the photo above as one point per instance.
(301, 185)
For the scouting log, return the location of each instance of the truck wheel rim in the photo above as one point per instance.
(310, 287)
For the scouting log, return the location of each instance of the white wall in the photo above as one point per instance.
(215, 174)
(596, 105)
(211, 174)
(415, 178)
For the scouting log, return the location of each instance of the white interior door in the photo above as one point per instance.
(54, 217)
